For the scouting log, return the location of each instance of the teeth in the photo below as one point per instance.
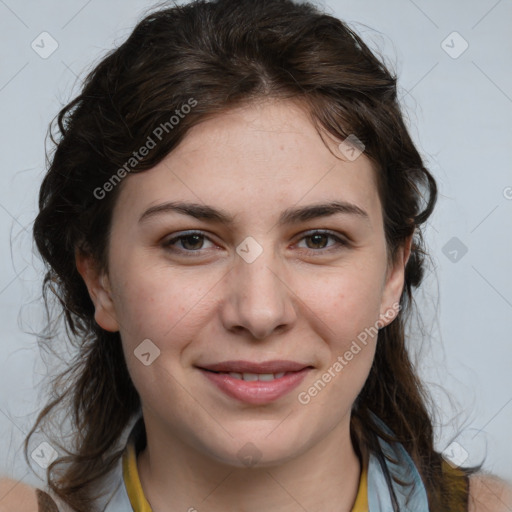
(251, 377)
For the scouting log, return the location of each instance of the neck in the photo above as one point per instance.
(175, 476)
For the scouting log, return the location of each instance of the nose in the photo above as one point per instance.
(259, 301)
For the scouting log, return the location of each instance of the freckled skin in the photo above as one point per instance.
(297, 301)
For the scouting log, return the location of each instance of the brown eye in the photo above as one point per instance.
(319, 240)
(186, 243)
(192, 241)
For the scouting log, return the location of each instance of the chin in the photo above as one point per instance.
(261, 450)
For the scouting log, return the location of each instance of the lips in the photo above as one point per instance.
(252, 377)
(255, 383)
(276, 366)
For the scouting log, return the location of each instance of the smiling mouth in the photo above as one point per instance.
(256, 383)
(252, 377)
(243, 367)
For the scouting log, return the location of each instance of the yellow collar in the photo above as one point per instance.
(131, 479)
(140, 504)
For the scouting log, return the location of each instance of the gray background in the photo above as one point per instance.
(458, 106)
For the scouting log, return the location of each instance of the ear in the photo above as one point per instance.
(98, 286)
(394, 285)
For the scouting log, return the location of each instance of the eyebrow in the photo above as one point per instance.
(289, 216)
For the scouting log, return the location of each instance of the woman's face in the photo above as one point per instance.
(262, 288)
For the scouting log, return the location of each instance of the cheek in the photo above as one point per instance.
(346, 306)
(347, 300)
(155, 302)
(168, 309)
(347, 310)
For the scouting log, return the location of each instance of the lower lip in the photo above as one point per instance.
(256, 392)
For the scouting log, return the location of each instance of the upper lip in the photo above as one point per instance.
(276, 366)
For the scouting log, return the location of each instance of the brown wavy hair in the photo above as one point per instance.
(222, 54)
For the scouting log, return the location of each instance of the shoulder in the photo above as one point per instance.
(16, 496)
(488, 493)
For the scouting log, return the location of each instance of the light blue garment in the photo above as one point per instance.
(411, 498)
(119, 502)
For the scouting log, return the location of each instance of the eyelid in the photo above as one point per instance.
(342, 241)
(167, 242)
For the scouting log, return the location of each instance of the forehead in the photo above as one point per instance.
(257, 159)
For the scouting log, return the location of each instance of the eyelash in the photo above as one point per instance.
(340, 242)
